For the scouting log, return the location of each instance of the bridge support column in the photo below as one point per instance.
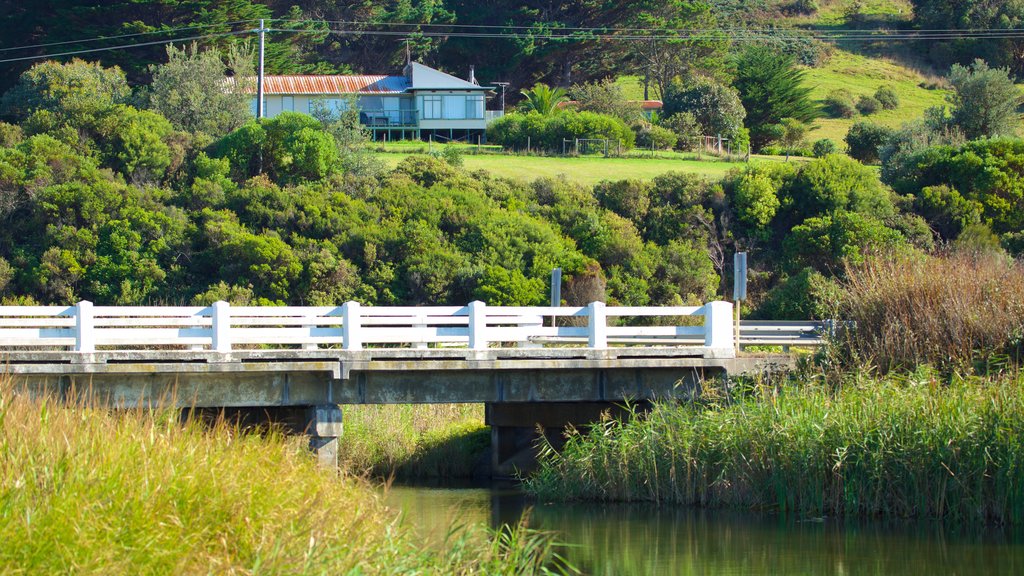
(516, 428)
(325, 428)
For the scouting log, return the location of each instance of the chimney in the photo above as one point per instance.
(472, 75)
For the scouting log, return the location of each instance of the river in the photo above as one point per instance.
(628, 539)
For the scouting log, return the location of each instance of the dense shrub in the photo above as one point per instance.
(657, 137)
(686, 128)
(985, 174)
(868, 105)
(716, 107)
(887, 97)
(839, 104)
(945, 310)
(864, 139)
(806, 295)
(549, 131)
(824, 147)
(290, 147)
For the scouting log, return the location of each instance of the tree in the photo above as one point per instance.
(606, 97)
(190, 90)
(771, 89)
(74, 93)
(543, 99)
(715, 106)
(864, 139)
(673, 52)
(984, 101)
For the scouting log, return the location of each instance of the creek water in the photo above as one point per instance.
(628, 539)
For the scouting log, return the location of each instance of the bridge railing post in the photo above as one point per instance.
(718, 330)
(85, 324)
(597, 325)
(478, 325)
(350, 326)
(221, 327)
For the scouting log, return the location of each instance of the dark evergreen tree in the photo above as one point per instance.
(771, 88)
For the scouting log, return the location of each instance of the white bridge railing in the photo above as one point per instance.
(222, 328)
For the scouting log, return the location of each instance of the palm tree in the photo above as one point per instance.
(543, 99)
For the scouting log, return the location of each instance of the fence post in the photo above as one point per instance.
(350, 339)
(85, 324)
(477, 325)
(718, 330)
(221, 326)
(597, 326)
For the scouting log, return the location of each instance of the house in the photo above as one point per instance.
(422, 103)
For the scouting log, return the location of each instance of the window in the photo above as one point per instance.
(475, 106)
(431, 107)
(288, 104)
(454, 107)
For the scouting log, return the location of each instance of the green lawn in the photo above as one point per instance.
(589, 170)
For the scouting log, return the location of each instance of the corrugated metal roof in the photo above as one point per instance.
(332, 85)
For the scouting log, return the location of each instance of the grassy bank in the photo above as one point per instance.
(86, 491)
(414, 440)
(908, 447)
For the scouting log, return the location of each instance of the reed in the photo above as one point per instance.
(414, 440)
(897, 447)
(94, 491)
(956, 310)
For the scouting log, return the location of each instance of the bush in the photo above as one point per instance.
(824, 147)
(807, 295)
(868, 105)
(946, 310)
(887, 97)
(548, 132)
(864, 140)
(684, 125)
(839, 104)
(651, 136)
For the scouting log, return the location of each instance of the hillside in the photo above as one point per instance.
(861, 75)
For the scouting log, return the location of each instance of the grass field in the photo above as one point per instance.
(862, 76)
(590, 170)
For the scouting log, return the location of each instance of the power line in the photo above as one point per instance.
(125, 46)
(120, 36)
(578, 34)
(705, 34)
(607, 29)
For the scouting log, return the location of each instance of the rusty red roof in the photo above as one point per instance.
(332, 85)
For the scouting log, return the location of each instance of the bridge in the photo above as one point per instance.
(547, 366)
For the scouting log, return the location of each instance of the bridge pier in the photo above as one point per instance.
(324, 427)
(322, 424)
(516, 428)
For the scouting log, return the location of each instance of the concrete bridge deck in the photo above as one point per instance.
(317, 359)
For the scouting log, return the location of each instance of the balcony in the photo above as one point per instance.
(492, 115)
(389, 118)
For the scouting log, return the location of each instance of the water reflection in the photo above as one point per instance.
(643, 539)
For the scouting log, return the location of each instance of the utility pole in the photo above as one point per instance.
(259, 78)
(503, 85)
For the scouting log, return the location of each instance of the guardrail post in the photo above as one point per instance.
(477, 325)
(85, 324)
(350, 326)
(221, 319)
(597, 326)
(718, 330)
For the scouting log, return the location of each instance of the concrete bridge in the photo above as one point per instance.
(547, 366)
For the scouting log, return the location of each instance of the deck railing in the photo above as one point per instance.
(223, 328)
(388, 118)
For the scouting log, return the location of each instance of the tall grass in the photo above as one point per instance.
(950, 310)
(87, 490)
(414, 440)
(899, 448)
